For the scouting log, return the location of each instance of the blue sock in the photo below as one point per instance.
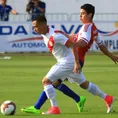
(63, 88)
(67, 91)
(41, 100)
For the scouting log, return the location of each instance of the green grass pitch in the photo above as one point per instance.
(20, 81)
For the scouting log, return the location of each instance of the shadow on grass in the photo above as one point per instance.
(87, 113)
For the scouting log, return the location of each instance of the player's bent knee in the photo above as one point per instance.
(57, 83)
(46, 81)
(84, 85)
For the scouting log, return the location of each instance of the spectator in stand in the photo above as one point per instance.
(5, 10)
(34, 8)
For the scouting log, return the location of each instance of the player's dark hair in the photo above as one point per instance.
(40, 19)
(89, 9)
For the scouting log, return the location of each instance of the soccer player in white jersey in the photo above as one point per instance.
(67, 63)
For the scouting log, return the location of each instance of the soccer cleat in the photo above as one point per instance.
(80, 104)
(30, 110)
(52, 110)
(109, 101)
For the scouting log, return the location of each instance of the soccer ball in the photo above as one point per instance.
(8, 108)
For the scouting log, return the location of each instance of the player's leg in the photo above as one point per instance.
(49, 89)
(95, 90)
(36, 108)
(63, 88)
(66, 90)
(42, 98)
(80, 100)
(92, 88)
(59, 70)
(50, 93)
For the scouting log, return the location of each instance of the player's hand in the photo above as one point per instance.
(77, 68)
(115, 59)
(72, 37)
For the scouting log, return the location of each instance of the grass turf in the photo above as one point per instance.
(20, 81)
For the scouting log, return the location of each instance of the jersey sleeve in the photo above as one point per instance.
(10, 8)
(43, 5)
(60, 39)
(98, 40)
(86, 33)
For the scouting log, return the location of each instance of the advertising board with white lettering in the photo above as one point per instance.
(20, 37)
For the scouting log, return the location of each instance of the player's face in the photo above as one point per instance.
(38, 27)
(84, 16)
(3, 1)
(35, 2)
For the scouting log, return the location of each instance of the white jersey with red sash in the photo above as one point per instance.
(56, 42)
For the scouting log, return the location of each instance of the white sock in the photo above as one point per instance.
(94, 89)
(49, 90)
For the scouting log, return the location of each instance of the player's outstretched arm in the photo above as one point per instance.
(14, 12)
(107, 53)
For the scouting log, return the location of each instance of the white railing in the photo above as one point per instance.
(66, 17)
(50, 17)
(97, 17)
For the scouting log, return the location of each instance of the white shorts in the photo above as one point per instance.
(59, 71)
(62, 71)
(78, 78)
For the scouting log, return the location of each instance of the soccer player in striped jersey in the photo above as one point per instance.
(84, 39)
